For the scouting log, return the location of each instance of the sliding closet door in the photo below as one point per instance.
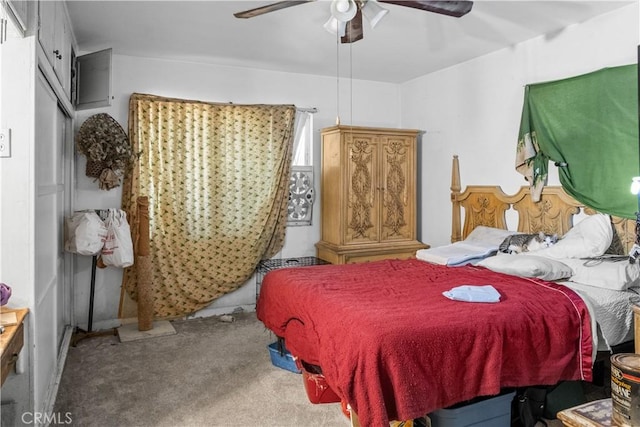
(49, 314)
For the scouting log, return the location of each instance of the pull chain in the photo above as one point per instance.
(337, 77)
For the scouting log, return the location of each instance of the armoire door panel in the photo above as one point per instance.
(363, 190)
(397, 203)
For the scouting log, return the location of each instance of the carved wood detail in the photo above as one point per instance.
(360, 197)
(553, 214)
(395, 187)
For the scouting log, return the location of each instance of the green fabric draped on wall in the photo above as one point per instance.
(588, 126)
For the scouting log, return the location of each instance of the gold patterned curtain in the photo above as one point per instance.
(217, 180)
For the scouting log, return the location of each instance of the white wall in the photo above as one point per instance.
(17, 258)
(374, 104)
(474, 109)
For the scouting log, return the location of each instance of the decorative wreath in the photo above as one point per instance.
(106, 145)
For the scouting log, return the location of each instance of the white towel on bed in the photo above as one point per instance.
(473, 293)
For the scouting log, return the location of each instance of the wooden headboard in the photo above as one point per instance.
(487, 205)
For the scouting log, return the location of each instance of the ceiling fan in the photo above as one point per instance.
(346, 15)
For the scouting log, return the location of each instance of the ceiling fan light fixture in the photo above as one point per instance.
(374, 13)
(343, 10)
(334, 27)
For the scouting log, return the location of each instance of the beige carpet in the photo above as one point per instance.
(210, 373)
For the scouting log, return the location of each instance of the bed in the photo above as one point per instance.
(391, 345)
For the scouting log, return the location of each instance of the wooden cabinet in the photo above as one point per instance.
(12, 339)
(368, 194)
(56, 40)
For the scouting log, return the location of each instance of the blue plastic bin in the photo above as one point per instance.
(491, 412)
(282, 360)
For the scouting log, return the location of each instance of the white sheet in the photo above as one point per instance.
(612, 311)
(614, 273)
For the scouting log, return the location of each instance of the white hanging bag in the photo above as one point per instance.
(118, 246)
(85, 233)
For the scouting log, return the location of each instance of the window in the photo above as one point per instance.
(301, 194)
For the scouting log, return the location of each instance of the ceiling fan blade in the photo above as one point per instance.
(450, 8)
(354, 29)
(269, 8)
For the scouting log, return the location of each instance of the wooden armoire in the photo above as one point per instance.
(368, 194)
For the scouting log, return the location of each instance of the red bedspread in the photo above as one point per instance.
(395, 348)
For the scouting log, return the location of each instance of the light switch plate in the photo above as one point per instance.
(5, 142)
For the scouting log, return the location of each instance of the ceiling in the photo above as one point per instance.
(406, 44)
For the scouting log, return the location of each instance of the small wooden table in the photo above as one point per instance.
(12, 339)
(590, 414)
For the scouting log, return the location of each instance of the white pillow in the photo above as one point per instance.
(590, 237)
(488, 235)
(612, 275)
(525, 265)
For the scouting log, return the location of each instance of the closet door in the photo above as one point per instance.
(50, 196)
